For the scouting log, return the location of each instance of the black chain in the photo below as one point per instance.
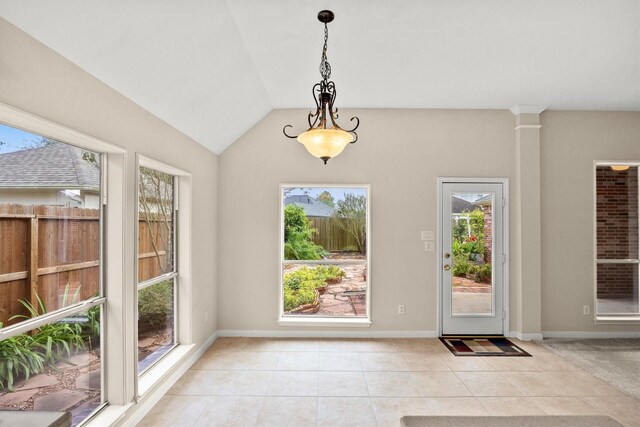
(325, 68)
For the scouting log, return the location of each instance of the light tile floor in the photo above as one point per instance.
(359, 382)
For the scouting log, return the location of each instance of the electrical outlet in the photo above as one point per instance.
(401, 309)
(586, 310)
(429, 246)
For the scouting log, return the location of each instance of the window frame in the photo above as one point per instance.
(169, 276)
(609, 317)
(112, 158)
(317, 321)
(181, 275)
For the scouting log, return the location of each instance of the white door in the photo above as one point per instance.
(472, 258)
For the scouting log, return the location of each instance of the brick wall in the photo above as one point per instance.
(617, 230)
(488, 232)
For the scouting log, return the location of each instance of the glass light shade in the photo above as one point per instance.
(619, 167)
(325, 143)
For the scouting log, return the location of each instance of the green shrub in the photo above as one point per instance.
(483, 273)
(297, 236)
(476, 218)
(462, 242)
(54, 340)
(300, 247)
(300, 286)
(470, 245)
(92, 328)
(155, 304)
(27, 354)
(461, 265)
(59, 340)
(19, 355)
(293, 299)
(329, 272)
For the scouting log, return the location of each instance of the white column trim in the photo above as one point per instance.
(527, 109)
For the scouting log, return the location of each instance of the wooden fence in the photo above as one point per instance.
(45, 248)
(331, 236)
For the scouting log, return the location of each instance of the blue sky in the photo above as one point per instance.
(15, 139)
(337, 193)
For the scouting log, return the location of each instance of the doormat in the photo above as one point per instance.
(482, 346)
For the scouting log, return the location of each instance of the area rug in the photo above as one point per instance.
(482, 346)
(615, 361)
(521, 421)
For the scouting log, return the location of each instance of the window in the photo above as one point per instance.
(325, 253)
(156, 266)
(617, 233)
(51, 295)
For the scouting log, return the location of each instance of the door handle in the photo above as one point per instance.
(447, 267)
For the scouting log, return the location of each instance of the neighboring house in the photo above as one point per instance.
(57, 175)
(312, 207)
(459, 205)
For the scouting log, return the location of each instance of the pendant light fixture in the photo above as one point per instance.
(325, 139)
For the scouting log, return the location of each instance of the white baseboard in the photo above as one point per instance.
(582, 334)
(137, 412)
(325, 334)
(525, 337)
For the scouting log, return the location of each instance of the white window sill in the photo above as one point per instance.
(618, 319)
(162, 368)
(107, 416)
(324, 322)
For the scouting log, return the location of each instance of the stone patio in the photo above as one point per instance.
(74, 384)
(344, 299)
(469, 296)
(337, 300)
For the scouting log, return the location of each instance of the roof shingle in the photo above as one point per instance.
(57, 165)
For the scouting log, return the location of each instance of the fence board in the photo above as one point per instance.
(66, 252)
(14, 244)
(331, 236)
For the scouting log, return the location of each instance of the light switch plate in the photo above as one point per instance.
(430, 246)
(428, 235)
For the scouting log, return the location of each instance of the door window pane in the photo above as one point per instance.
(471, 254)
(325, 251)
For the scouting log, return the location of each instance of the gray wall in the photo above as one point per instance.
(38, 80)
(570, 143)
(400, 153)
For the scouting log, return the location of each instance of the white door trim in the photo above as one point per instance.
(505, 244)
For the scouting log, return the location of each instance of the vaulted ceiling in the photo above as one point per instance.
(212, 69)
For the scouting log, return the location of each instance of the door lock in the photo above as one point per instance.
(447, 255)
(447, 267)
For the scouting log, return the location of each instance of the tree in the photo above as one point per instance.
(351, 216)
(155, 207)
(295, 221)
(326, 198)
(42, 141)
